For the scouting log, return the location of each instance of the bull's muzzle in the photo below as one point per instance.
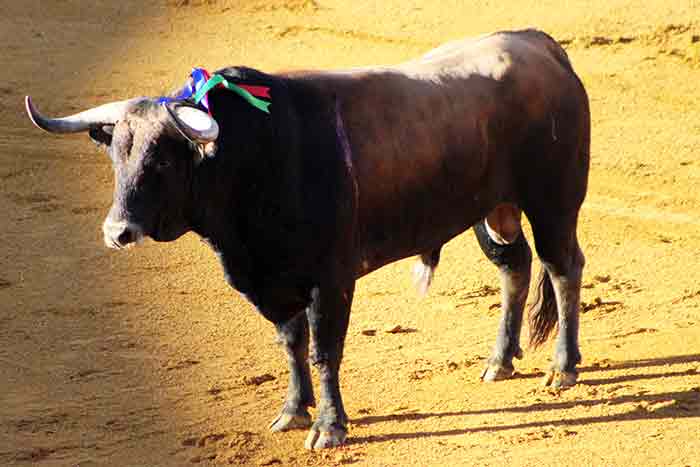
(120, 234)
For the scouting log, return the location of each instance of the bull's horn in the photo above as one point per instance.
(107, 114)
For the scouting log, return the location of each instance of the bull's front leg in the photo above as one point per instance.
(294, 336)
(328, 318)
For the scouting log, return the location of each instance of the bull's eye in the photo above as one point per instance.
(162, 165)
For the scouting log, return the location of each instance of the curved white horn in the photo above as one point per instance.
(106, 114)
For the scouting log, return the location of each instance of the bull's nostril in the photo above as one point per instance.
(125, 237)
(119, 234)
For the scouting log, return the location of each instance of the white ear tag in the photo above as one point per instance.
(195, 119)
(196, 124)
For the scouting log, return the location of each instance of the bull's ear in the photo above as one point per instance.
(194, 124)
(102, 134)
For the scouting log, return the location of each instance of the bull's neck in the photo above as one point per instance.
(273, 184)
(249, 179)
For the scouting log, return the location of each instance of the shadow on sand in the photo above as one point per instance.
(678, 404)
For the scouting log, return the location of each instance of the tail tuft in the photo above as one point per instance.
(543, 313)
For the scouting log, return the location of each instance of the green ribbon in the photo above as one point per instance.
(217, 79)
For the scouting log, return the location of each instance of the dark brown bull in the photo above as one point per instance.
(353, 170)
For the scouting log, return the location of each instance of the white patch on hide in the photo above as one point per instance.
(495, 236)
(422, 277)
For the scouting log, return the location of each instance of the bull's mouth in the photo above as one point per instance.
(164, 230)
(121, 234)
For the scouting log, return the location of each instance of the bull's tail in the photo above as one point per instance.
(543, 313)
(424, 270)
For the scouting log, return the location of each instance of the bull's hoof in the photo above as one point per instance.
(494, 372)
(560, 379)
(330, 438)
(287, 421)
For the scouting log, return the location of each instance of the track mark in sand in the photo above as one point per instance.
(236, 448)
(91, 374)
(270, 461)
(688, 296)
(602, 306)
(426, 369)
(216, 391)
(142, 420)
(634, 332)
(296, 30)
(49, 423)
(88, 310)
(398, 329)
(251, 6)
(46, 208)
(295, 6)
(601, 279)
(183, 364)
(601, 363)
(618, 208)
(164, 268)
(209, 439)
(472, 298)
(258, 380)
(469, 362)
(597, 41)
(626, 285)
(539, 435)
(23, 172)
(597, 279)
(424, 373)
(661, 36)
(382, 293)
(204, 458)
(39, 202)
(86, 210)
(31, 455)
(676, 406)
(4, 283)
(483, 291)
(33, 198)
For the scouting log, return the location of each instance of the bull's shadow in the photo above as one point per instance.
(630, 364)
(678, 407)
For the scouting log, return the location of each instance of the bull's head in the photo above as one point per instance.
(153, 148)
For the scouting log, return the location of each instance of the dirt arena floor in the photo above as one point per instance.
(147, 358)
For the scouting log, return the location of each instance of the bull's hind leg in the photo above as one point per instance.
(294, 336)
(563, 261)
(505, 246)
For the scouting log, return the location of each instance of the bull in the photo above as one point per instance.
(352, 170)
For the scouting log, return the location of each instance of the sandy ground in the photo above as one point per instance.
(146, 358)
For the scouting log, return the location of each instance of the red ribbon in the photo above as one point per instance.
(257, 91)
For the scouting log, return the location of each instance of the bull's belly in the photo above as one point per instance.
(394, 239)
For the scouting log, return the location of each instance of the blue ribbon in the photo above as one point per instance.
(198, 79)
